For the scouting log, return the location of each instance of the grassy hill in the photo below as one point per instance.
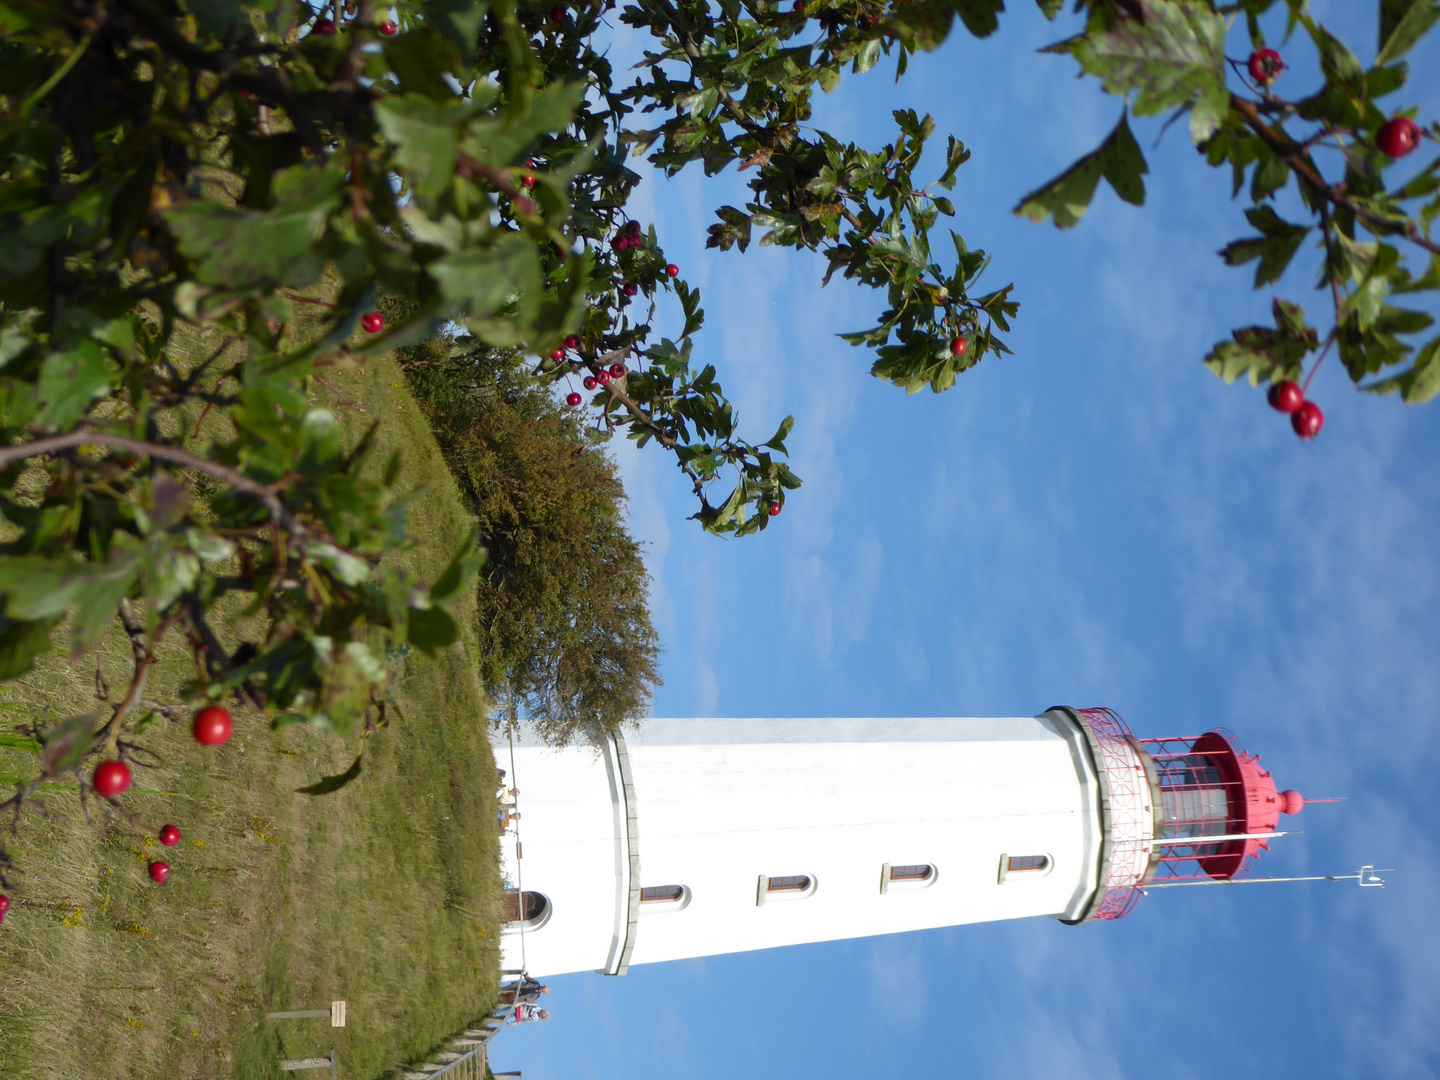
(385, 893)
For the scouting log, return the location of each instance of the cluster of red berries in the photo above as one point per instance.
(212, 727)
(1305, 416)
(628, 237)
(1396, 137)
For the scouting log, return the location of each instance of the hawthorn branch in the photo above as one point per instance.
(1298, 158)
(269, 494)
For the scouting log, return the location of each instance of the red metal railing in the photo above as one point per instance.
(1130, 816)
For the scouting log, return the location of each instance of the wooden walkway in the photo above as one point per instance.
(463, 1056)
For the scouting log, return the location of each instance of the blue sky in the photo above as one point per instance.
(1094, 521)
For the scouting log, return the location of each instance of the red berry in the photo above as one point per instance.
(1308, 420)
(632, 227)
(4, 906)
(603, 377)
(159, 872)
(672, 270)
(774, 509)
(373, 323)
(619, 243)
(617, 371)
(557, 354)
(958, 346)
(557, 15)
(572, 342)
(590, 383)
(1265, 65)
(631, 288)
(325, 26)
(528, 180)
(212, 726)
(1398, 137)
(169, 835)
(1285, 396)
(111, 778)
(572, 399)
(389, 29)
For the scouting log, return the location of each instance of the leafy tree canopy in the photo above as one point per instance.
(185, 171)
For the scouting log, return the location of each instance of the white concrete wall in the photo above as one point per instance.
(721, 802)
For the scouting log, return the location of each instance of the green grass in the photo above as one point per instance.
(385, 893)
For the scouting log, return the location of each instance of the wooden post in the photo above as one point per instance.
(298, 1064)
(336, 1014)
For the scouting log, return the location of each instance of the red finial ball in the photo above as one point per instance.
(1291, 802)
(169, 836)
(159, 872)
(1398, 137)
(373, 323)
(572, 399)
(389, 29)
(111, 778)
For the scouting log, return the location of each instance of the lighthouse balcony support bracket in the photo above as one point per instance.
(627, 856)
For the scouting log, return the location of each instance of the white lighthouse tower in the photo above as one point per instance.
(694, 837)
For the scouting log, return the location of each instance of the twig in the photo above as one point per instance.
(340, 394)
(1305, 168)
(266, 493)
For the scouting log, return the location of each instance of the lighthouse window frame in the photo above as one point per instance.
(905, 876)
(773, 887)
(658, 898)
(1025, 866)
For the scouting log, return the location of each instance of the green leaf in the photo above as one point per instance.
(468, 559)
(1420, 382)
(1170, 54)
(1263, 354)
(20, 643)
(245, 249)
(459, 20)
(1066, 198)
(1275, 247)
(431, 629)
(67, 743)
(981, 17)
(419, 60)
(325, 785)
(1402, 24)
(426, 136)
(70, 381)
